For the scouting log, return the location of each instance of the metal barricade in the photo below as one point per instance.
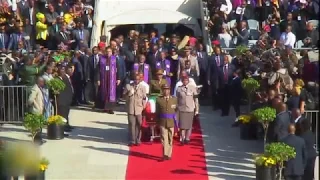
(313, 116)
(13, 104)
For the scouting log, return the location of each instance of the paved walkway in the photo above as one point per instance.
(80, 157)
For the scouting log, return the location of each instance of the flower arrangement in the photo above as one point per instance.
(56, 119)
(250, 85)
(265, 160)
(281, 152)
(245, 119)
(241, 50)
(44, 163)
(265, 115)
(33, 123)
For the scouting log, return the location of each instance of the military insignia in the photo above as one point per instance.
(173, 106)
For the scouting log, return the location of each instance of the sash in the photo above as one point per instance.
(145, 71)
(168, 68)
(170, 116)
(113, 79)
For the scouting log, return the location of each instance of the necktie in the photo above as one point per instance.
(81, 35)
(226, 74)
(71, 84)
(2, 41)
(218, 60)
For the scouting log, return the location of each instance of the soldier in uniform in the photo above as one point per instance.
(166, 106)
(156, 84)
(136, 99)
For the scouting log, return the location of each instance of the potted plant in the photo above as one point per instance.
(38, 173)
(34, 124)
(250, 85)
(265, 115)
(265, 167)
(55, 128)
(56, 85)
(281, 152)
(245, 126)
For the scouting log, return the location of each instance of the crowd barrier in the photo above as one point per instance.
(313, 117)
(13, 104)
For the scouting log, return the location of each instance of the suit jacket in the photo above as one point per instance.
(93, 72)
(192, 73)
(121, 68)
(166, 107)
(136, 98)
(35, 100)
(203, 61)
(78, 70)
(295, 166)
(243, 37)
(62, 39)
(152, 59)
(64, 98)
(310, 141)
(50, 17)
(14, 41)
(298, 125)
(279, 127)
(187, 98)
(194, 64)
(76, 36)
(4, 42)
(131, 58)
(213, 69)
(237, 91)
(221, 79)
(84, 60)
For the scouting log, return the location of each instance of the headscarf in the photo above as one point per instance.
(40, 16)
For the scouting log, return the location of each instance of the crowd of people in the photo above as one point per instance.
(138, 67)
(239, 22)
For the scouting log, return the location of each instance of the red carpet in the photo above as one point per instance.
(188, 161)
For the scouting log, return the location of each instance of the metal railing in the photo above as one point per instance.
(13, 104)
(313, 117)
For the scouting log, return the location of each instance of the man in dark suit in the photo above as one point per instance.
(225, 76)
(242, 34)
(192, 73)
(18, 36)
(64, 98)
(131, 56)
(62, 36)
(244, 12)
(297, 119)
(81, 36)
(236, 92)
(92, 77)
(121, 73)
(215, 62)
(310, 141)
(203, 66)
(281, 123)
(77, 79)
(4, 39)
(153, 57)
(294, 168)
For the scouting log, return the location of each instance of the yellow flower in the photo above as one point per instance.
(244, 119)
(43, 167)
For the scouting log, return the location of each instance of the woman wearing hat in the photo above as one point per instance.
(41, 29)
(187, 97)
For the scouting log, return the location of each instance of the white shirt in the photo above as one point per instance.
(31, 16)
(225, 40)
(289, 39)
(179, 83)
(297, 119)
(229, 5)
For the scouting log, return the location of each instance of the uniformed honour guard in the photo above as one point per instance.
(166, 106)
(157, 83)
(187, 97)
(136, 99)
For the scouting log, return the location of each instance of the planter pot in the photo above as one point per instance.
(39, 176)
(265, 173)
(244, 131)
(38, 138)
(55, 131)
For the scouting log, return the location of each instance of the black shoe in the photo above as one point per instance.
(138, 144)
(235, 124)
(181, 142)
(168, 158)
(66, 135)
(67, 130)
(187, 141)
(131, 144)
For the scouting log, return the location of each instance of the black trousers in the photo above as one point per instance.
(90, 91)
(120, 88)
(309, 169)
(64, 110)
(78, 88)
(224, 98)
(215, 99)
(204, 82)
(236, 105)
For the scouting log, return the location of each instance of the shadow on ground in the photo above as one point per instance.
(227, 156)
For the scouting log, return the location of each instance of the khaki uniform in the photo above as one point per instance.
(193, 62)
(156, 86)
(166, 110)
(136, 99)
